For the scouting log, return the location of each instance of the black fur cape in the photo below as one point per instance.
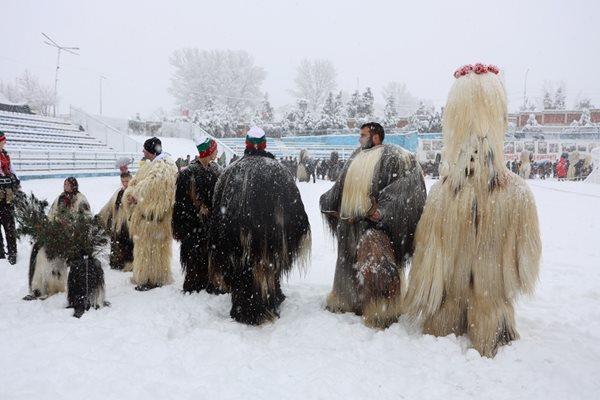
(193, 194)
(259, 231)
(398, 190)
(121, 245)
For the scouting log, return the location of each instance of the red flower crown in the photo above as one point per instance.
(478, 68)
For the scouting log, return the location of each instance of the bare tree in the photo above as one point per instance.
(583, 103)
(29, 90)
(314, 80)
(228, 77)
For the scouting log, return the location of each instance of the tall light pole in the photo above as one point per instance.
(101, 78)
(52, 43)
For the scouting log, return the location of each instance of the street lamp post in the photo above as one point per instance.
(52, 43)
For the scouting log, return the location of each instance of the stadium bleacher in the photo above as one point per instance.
(36, 132)
(41, 145)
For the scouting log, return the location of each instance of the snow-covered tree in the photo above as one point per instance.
(434, 122)
(528, 106)
(406, 103)
(332, 115)
(390, 113)
(425, 119)
(560, 98)
(584, 103)
(266, 111)
(298, 118)
(215, 119)
(228, 77)
(10, 92)
(314, 80)
(547, 101)
(353, 105)
(29, 90)
(366, 106)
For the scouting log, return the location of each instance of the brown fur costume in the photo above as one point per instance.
(477, 244)
(369, 276)
(153, 187)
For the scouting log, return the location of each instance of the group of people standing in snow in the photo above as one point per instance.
(570, 166)
(472, 244)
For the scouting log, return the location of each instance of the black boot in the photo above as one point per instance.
(146, 287)
(12, 259)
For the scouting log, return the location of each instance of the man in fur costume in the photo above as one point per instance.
(192, 213)
(525, 165)
(114, 220)
(572, 170)
(373, 210)
(69, 241)
(148, 203)
(260, 230)
(477, 244)
(47, 274)
(306, 167)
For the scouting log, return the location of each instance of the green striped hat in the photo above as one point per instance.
(206, 146)
(256, 137)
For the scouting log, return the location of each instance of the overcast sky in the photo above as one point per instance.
(370, 43)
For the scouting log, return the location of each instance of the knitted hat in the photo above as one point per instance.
(206, 146)
(256, 137)
(153, 146)
(2, 137)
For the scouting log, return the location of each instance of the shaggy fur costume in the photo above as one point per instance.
(369, 276)
(114, 219)
(573, 160)
(306, 167)
(477, 244)
(86, 285)
(48, 277)
(153, 187)
(192, 215)
(525, 165)
(260, 230)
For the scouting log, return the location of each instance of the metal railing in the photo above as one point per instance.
(108, 135)
(39, 161)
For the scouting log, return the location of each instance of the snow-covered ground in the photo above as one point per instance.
(176, 147)
(162, 344)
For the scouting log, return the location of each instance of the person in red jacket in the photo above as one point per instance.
(561, 169)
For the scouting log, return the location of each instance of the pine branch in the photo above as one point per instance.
(67, 236)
